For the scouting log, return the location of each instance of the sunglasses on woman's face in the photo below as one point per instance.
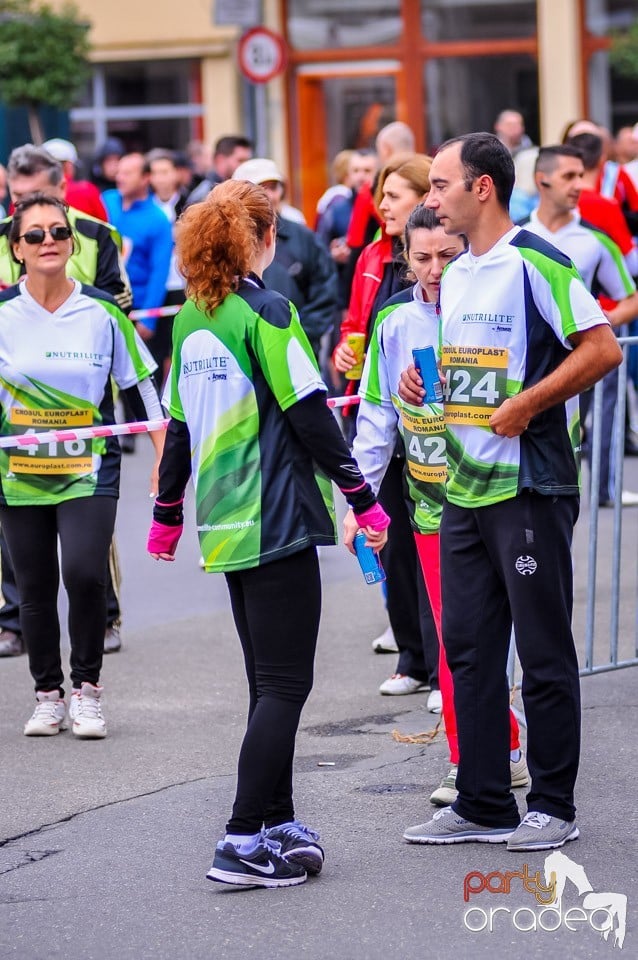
(38, 234)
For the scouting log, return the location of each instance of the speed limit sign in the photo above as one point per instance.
(262, 54)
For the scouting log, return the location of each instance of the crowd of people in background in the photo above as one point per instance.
(369, 264)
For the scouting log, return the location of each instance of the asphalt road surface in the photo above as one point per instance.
(105, 844)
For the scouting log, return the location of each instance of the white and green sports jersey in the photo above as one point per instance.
(235, 372)
(595, 255)
(55, 374)
(506, 320)
(399, 328)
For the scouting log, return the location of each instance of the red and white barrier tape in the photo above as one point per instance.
(115, 430)
(342, 401)
(155, 312)
(82, 433)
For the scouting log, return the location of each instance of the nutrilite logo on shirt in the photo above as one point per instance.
(498, 321)
(98, 358)
(214, 366)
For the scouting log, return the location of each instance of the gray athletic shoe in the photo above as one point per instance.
(112, 638)
(539, 831)
(446, 793)
(446, 826)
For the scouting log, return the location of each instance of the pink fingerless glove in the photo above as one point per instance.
(163, 538)
(374, 517)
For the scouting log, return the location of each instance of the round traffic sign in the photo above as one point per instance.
(262, 54)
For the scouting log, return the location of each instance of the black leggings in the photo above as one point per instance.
(85, 528)
(276, 608)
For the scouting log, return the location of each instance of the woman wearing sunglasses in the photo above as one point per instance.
(60, 344)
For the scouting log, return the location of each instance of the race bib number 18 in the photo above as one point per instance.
(475, 384)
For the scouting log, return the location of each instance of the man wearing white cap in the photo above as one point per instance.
(79, 194)
(303, 270)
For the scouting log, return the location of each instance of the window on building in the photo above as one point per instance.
(613, 100)
(144, 103)
(467, 93)
(454, 20)
(445, 67)
(601, 16)
(326, 24)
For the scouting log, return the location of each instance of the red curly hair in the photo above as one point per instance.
(218, 239)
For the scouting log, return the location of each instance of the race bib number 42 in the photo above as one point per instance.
(475, 384)
(424, 439)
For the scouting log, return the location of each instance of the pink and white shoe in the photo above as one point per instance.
(49, 715)
(85, 711)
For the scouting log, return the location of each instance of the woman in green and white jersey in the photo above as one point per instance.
(60, 344)
(250, 421)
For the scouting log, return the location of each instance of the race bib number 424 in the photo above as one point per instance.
(475, 384)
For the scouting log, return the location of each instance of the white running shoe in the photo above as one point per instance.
(85, 711)
(398, 685)
(385, 643)
(48, 716)
(435, 701)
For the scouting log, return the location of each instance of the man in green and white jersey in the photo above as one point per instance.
(521, 337)
(559, 179)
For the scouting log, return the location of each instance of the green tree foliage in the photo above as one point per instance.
(43, 57)
(623, 53)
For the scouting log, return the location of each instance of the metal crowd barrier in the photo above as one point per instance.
(618, 448)
(588, 657)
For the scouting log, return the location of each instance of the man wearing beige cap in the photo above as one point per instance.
(303, 270)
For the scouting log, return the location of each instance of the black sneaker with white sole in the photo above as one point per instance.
(299, 844)
(263, 867)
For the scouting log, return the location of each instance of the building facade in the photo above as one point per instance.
(166, 73)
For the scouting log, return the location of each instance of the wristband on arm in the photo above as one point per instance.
(166, 527)
(163, 538)
(374, 517)
(170, 514)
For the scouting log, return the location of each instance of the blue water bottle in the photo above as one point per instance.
(425, 363)
(369, 561)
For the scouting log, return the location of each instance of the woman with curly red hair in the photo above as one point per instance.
(249, 419)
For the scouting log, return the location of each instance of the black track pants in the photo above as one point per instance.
(511, 562)
(84, 527)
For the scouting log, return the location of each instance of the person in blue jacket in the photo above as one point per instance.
(146, 234)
